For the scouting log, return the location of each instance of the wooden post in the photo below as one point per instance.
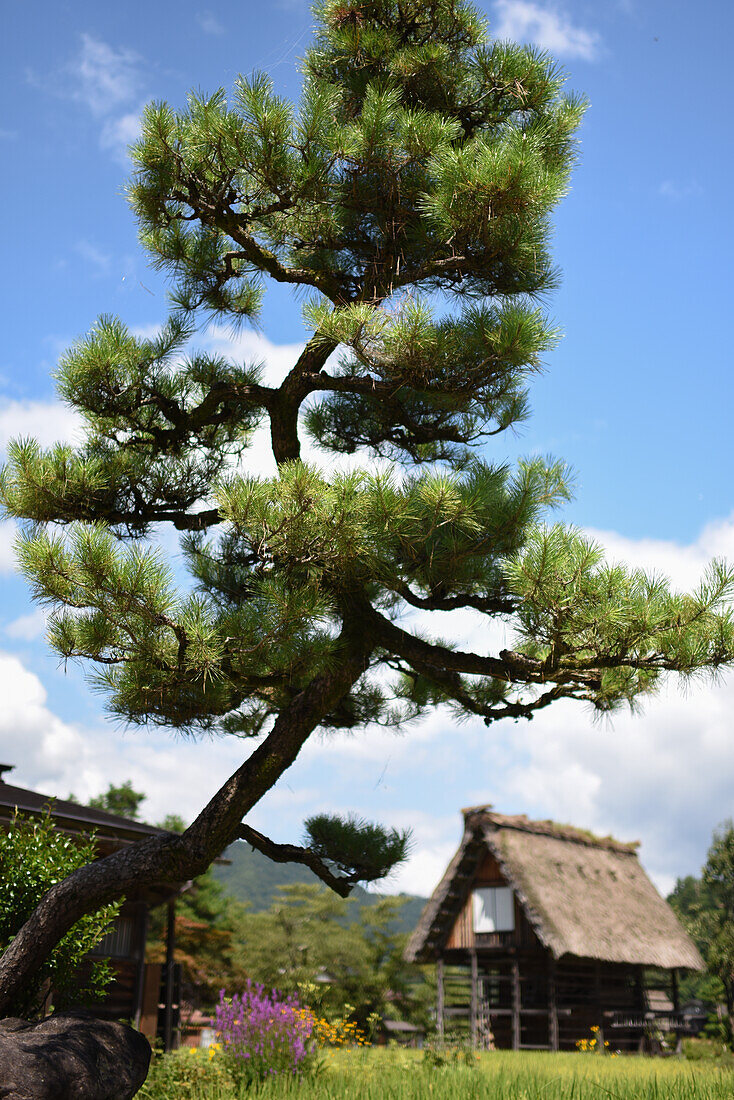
(640, 984)
(170, 948)
(553, 1038)
(474, 997)
(676, 1009)
(439, 1000)
(140, 976)
(599, 1009)
(515, 1004)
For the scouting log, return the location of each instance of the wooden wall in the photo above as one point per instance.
(124, 948)
(587, 994)
(462, 935)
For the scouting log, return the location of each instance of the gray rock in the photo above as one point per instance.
(71, 1056)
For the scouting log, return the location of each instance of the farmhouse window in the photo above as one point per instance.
(494, 909)
(117, 944)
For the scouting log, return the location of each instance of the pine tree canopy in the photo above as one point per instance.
(407, 199)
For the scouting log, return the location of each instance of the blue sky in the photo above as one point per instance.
(637, 397)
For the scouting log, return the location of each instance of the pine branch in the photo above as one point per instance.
(291, 853)
(488, 604)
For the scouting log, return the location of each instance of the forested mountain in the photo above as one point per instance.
(251, 877)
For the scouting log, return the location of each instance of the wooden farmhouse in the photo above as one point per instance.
(143, 992)
(541, 932)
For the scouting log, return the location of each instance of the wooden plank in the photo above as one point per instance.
(600, 1009)
(151, 989)
(140, 977)
(170, 948)
(474, 999)
(553, 1040)
(523, 1011)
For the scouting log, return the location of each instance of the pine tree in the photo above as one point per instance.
(407, 199)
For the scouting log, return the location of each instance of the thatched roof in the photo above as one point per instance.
(583, 895)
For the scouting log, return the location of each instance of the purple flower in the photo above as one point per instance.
(265, 1029)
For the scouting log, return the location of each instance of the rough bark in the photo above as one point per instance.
(285, 405)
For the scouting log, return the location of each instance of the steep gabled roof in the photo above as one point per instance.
(584, 896)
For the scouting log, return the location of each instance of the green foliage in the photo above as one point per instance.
(706, 907)
(358, 849)
(378, 1073)
(122, 800)
(188, 1073)
(207, 927)
(331, 952)
(33, 856)
(251, 878)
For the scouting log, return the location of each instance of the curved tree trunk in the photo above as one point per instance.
(178, 858)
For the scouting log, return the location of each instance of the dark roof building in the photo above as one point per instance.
(555, 927)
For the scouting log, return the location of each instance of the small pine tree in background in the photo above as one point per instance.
(407, 201)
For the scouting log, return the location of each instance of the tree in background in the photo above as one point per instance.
(122, 800)
(333, 952)
(706, 907)
(718, 877)
(33, 856)
(407, 201)
(208, 936)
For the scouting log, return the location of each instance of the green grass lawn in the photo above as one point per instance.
(379, 1074)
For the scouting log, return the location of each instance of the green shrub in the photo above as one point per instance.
(33, 856)
(193, 1074)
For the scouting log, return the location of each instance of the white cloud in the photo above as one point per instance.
(7, 540)
(109, 83)
(47, 421)
(58, 757)
(118, 134)
(664, 777)
(28, 628)
(544, 25)
(433, 842)
(209, 23)
(682, 565)
(248, 346)
(678, 190)
(104, 78)
(98, 260)
(30, 734)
